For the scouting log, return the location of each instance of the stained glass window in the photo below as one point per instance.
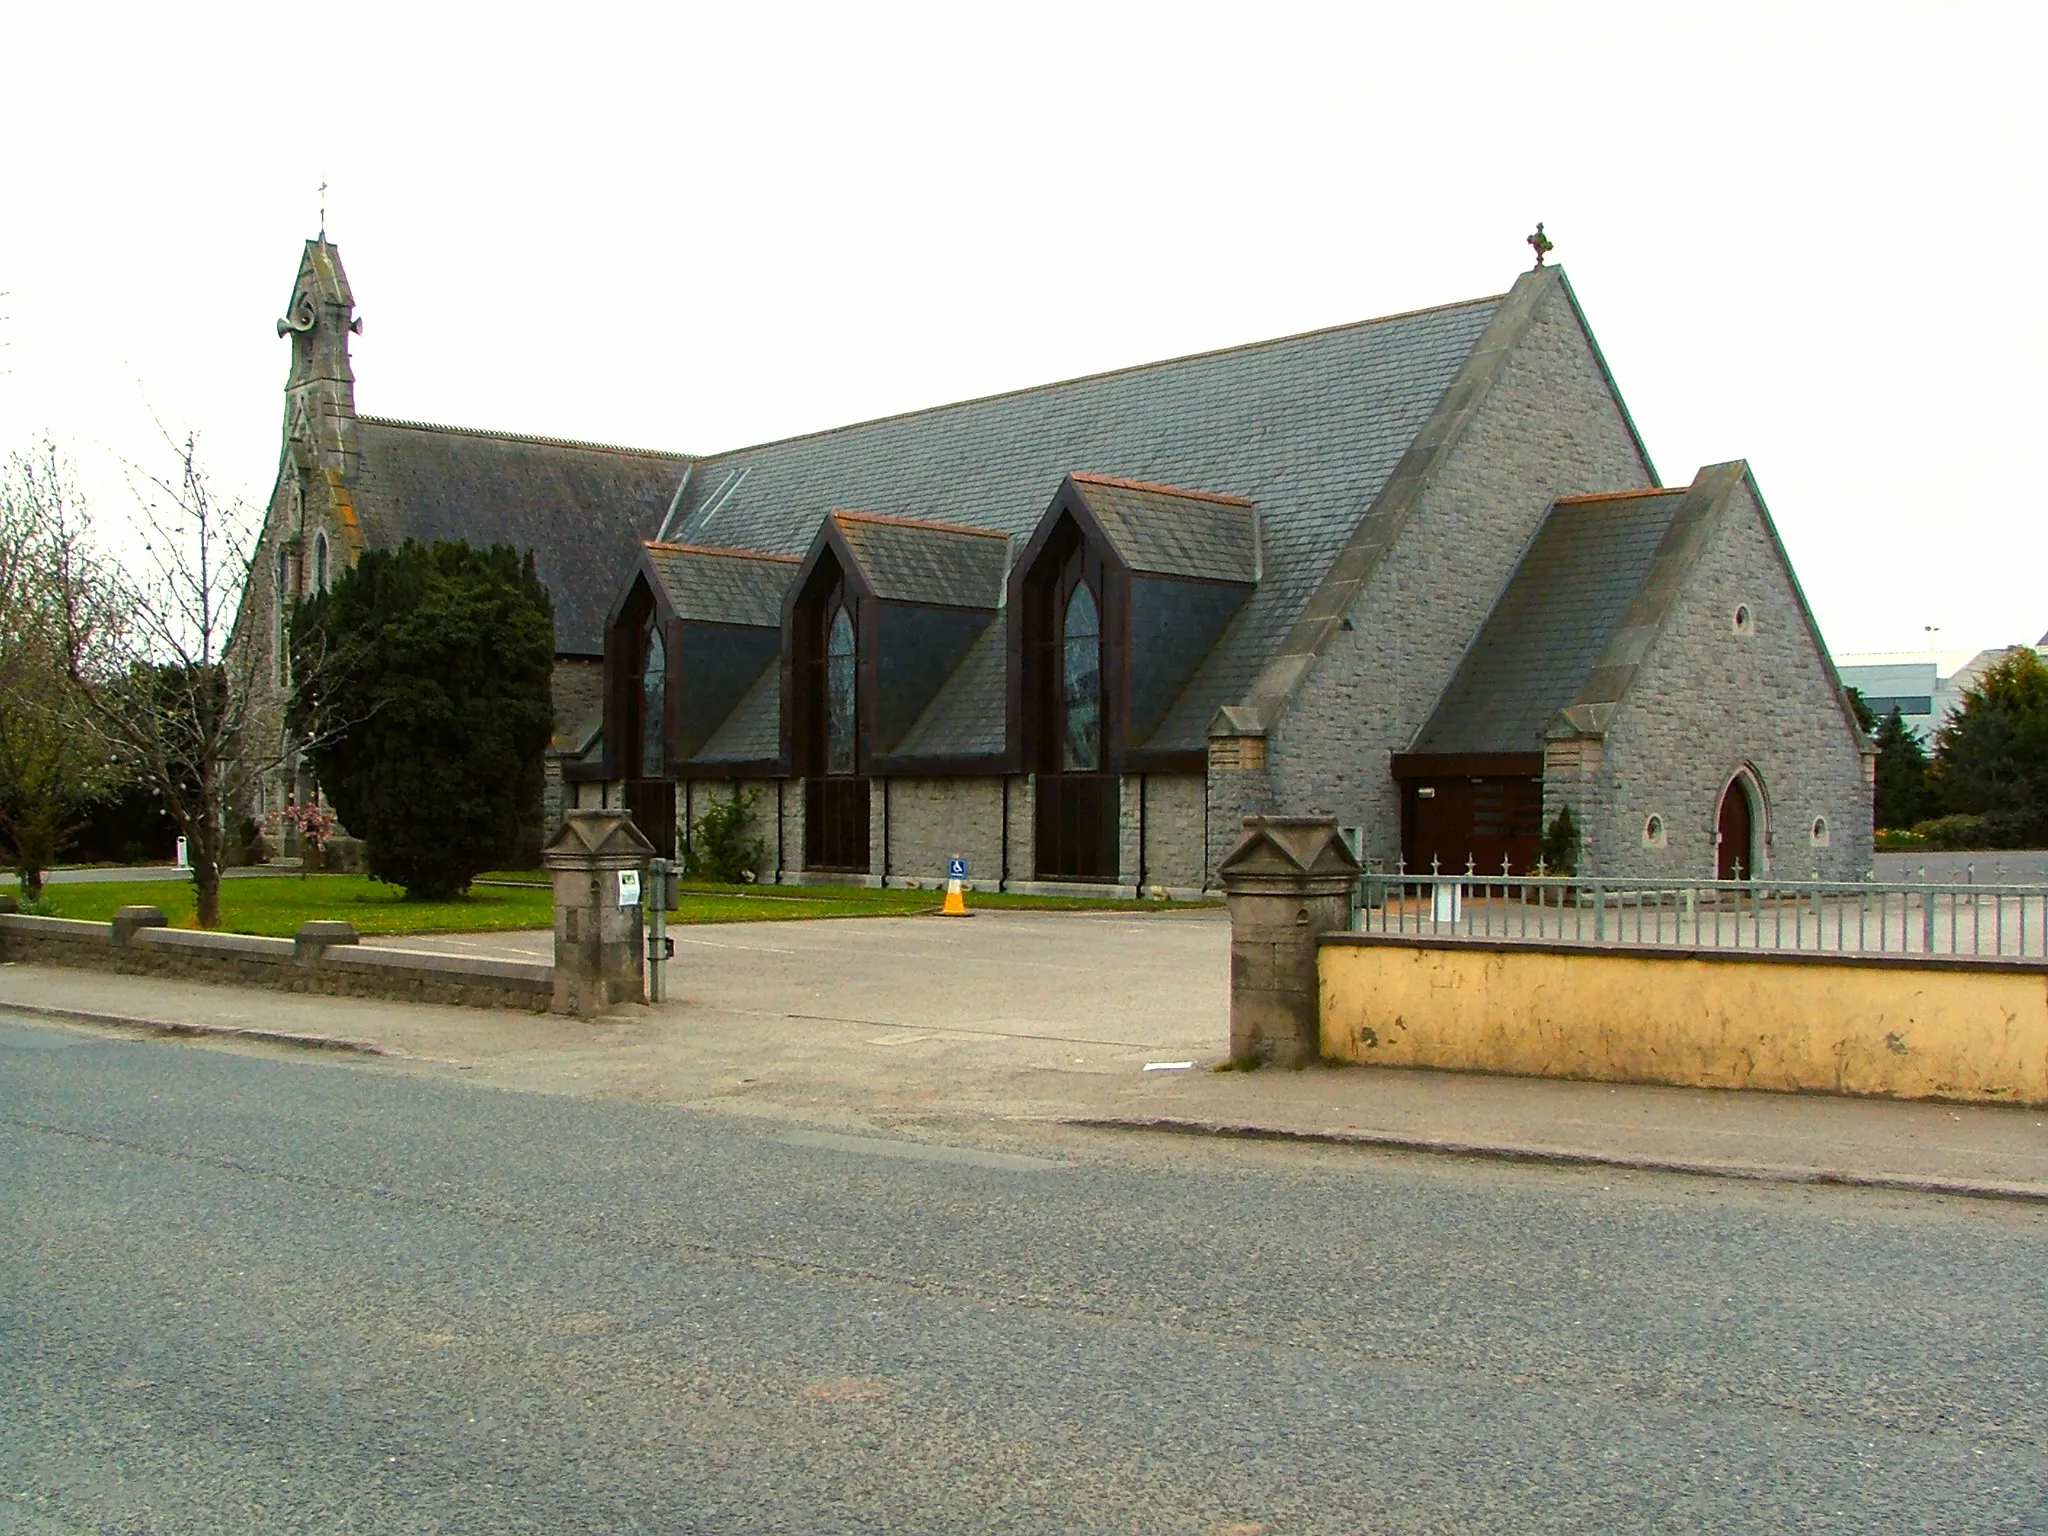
(320, 563)
(654, 707)
(839, 695)
(1081, 676)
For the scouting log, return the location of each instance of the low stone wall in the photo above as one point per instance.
(1907, 1027)
(323, 963)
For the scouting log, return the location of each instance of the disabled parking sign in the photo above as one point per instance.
(956, 869)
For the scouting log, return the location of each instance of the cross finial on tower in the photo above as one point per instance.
(323, 213)
(1540, 243)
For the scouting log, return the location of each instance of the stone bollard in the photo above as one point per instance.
(598, 945)
(1287, 883)
(127, 920)
(317, 934)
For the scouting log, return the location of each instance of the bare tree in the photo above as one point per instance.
(58, 598)
(183, 709)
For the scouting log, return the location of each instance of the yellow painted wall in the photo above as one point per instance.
(1832, 1026)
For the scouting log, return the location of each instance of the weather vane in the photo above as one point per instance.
(323, 215)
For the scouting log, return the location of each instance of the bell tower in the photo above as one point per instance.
(320, 393)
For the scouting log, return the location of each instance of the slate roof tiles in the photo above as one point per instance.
(1588, 561)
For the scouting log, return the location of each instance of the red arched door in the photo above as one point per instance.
(1733, 857)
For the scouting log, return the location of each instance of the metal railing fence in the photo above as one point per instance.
(1868, 917)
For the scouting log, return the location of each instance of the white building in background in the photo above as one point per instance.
(1912, 684)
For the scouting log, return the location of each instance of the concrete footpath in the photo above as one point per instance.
(1030, 1023)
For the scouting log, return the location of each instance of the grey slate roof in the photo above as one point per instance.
(582, 509)
(1168, 531)
(1588, 561)
(723, 586)
(966, 717)
(909, 561)
(1309, 427)
(753, 731)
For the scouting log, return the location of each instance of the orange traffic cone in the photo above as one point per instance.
(956, 904)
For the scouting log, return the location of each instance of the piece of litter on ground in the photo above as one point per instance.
(1169, 1066)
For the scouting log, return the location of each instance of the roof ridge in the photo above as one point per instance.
(524, 437)
(711, 549)
(1090, 478)
(1104, 373)
(1648, 490)
(898, 521)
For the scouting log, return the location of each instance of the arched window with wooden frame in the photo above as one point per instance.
(639, 723)
(828, 716)
(1067, 708)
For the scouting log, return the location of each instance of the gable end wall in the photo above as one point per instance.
(1707, 700)
(1551, 426)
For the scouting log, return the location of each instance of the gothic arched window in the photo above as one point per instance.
(320, 563)
(654, 706)
(839, 693)
(1081, 682)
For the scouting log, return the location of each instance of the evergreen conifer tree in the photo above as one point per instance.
(439, 705)
(1903, 797)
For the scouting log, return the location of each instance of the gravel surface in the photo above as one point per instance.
(243, 1292)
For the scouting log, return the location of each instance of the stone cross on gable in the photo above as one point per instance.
(1540, 243)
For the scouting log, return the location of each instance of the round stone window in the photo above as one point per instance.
(1743, 622)
(1653, 832)
(1820, 831)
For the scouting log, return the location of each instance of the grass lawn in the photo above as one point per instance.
(276, 906)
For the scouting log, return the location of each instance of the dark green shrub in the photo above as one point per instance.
(1904, 796)
(1992, 755)
(429, 707)
(1560, 849)
(722, 844)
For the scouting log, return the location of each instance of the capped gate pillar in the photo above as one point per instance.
(598, 947)
(1287, 883)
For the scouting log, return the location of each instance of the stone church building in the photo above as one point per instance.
(1417, 573)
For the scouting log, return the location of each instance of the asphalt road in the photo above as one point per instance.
(253, 1292)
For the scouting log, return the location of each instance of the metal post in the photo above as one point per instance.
(660, 947)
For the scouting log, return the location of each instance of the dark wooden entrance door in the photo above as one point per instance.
(652, 803)
(1732, 853)
(836, 825)
(1076, 826)
(1473, 823)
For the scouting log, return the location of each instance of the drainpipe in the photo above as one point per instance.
(885, 834)
(1141, 836)
(778, 830)
(1003, 877)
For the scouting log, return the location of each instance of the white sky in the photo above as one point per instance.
(1805, 231)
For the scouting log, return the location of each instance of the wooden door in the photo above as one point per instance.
(1076, 827)
(652, 804)
(1733, 855)
(836, 824)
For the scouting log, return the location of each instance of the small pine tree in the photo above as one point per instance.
(1864, 715)
(722, 844)
(1903, 799)
(1992, 755)
(435, 666)
(1560, 850)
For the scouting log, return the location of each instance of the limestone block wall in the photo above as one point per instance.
(1710, 700)
(695, 797)
(932, 820)
(1176, 827)
(1550, 426)
(1233, 791)
(342, 971)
